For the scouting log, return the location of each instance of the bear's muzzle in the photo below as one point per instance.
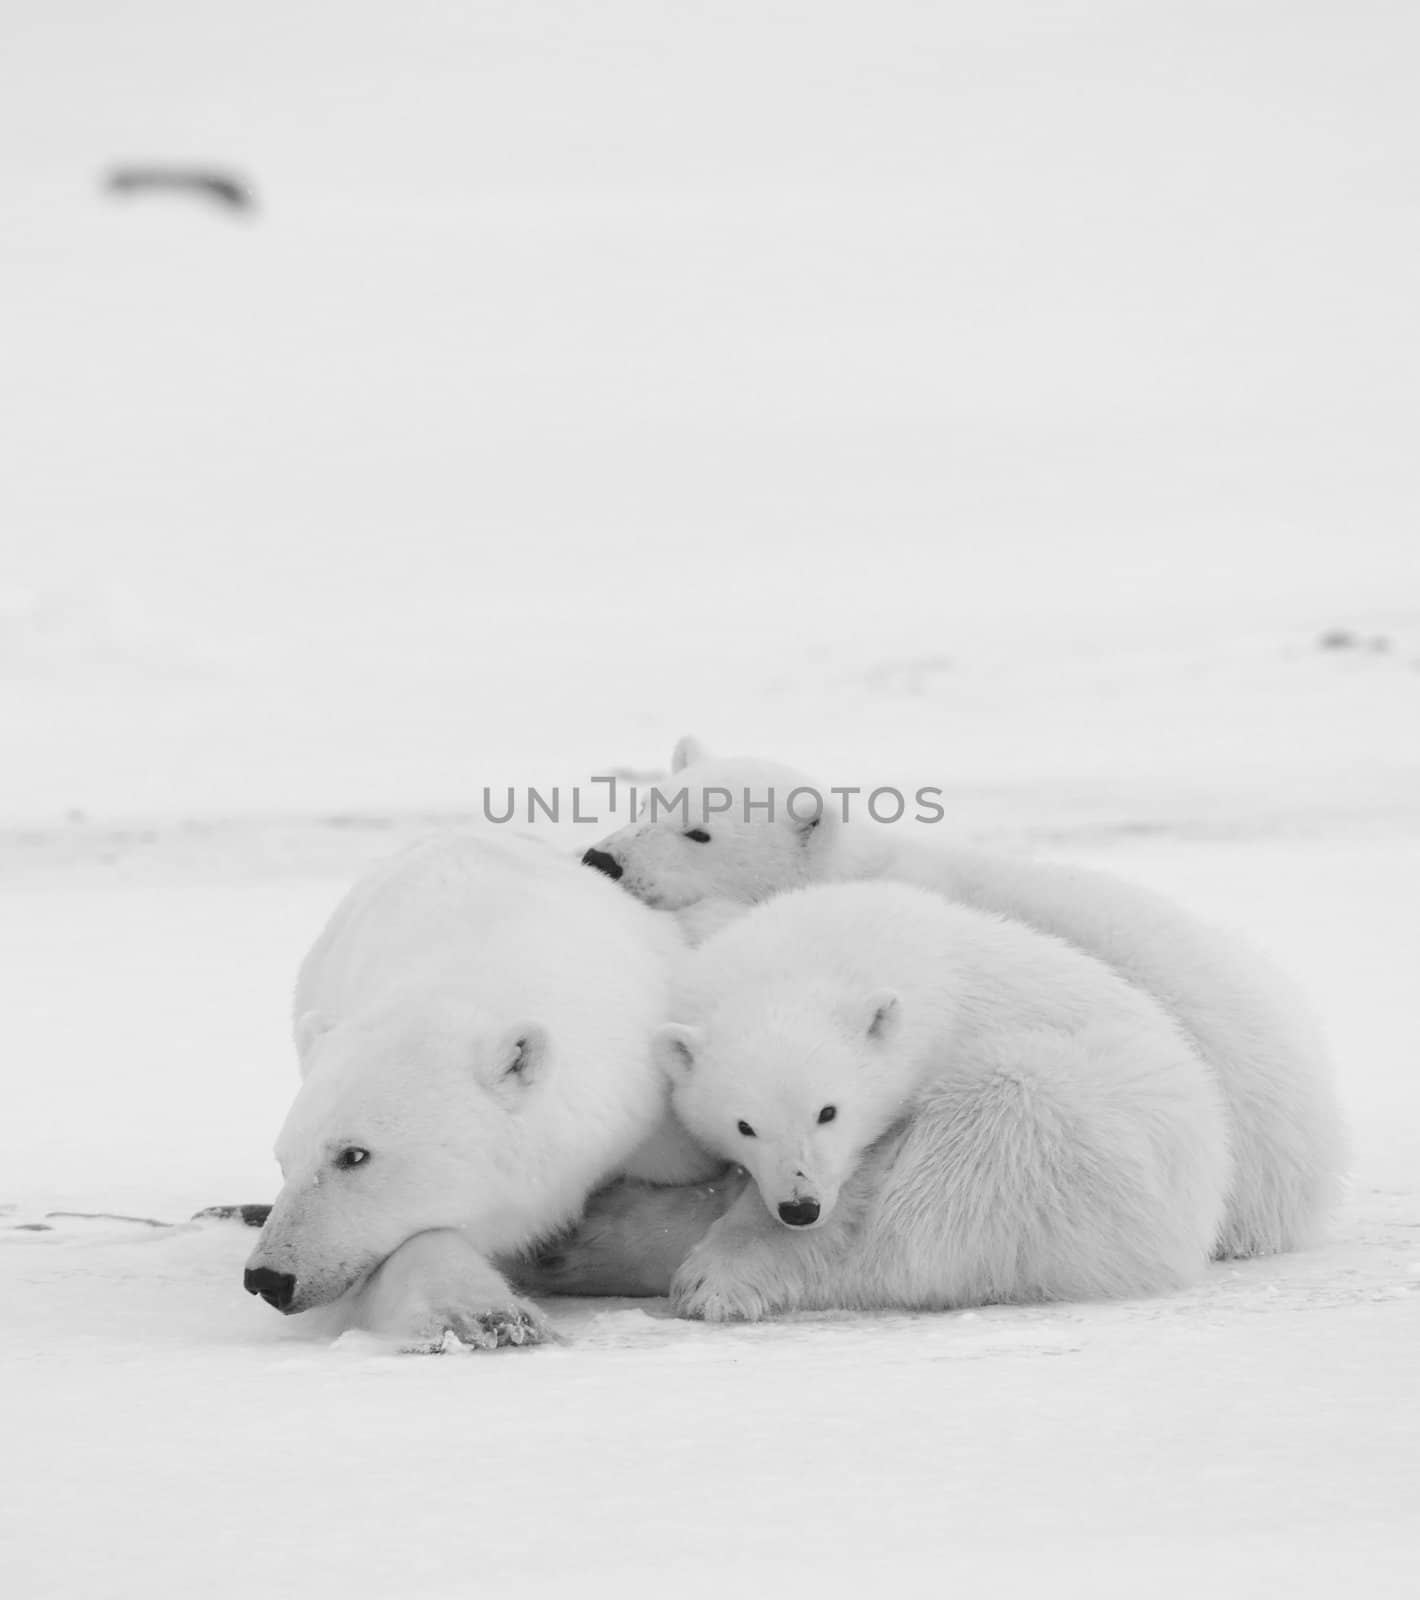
(276, 1288)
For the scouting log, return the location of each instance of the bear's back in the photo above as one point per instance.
(961, 973)
(487, 915)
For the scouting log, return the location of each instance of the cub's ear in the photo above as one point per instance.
(309, 1026)
(807, 814)
(676, 1046)
(521, 1056)
(884, 1014)
(687, 753)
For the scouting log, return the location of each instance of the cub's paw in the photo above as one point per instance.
(707, 1289)
(492, 1329)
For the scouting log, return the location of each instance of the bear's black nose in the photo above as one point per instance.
(276, 1288)
(603, 862)
(799, 1213)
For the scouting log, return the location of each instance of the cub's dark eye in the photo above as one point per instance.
(351, 1156)
(698, 834)
(828, 1114)
(747, 1130)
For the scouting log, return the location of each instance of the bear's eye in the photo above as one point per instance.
(828, 1114)
(747, 1130)
(351, 1156)
(698, 834)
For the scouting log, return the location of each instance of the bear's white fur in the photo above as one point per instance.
(477, 1016)
(980, 1112)
(1249, 1024)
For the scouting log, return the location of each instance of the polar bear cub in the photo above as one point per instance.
(475, 1030)
(751, 829)
(937, 1108)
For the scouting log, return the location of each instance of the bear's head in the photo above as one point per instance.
(401, 1128)
(791, 1083)
(729, 828)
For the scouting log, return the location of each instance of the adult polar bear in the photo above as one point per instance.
(475, 1033)
(1285, 1127)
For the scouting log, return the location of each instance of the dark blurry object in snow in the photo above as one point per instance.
(206, 183)
(250, 1216)
(1345, 639)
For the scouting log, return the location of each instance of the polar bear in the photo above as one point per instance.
(475, 1032)
(753, 828)
(937, 1107)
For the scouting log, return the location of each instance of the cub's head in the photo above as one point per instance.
(792, 1087)
(396, 1130)
(726, 828)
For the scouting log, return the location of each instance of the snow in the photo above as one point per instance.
(563, 347)
(1011, 398)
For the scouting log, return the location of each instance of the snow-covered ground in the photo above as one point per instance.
(166, 1434)
(1012, 397)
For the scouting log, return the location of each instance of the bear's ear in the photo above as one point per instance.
(520, 1056)
(688, 751)
(884, 1013)
(309, 1026)
(811, 823)
(676, 1046)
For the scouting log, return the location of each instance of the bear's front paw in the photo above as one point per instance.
(491, 1329)
(710, 1290)
(436, 1288)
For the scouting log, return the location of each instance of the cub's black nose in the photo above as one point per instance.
(276, 1288)
(603, 862)
(799, 1213)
